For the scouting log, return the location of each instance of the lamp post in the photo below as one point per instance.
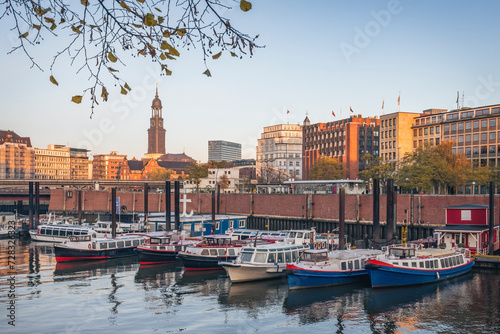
(473, 188)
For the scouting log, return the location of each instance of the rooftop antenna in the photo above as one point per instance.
(463, 98)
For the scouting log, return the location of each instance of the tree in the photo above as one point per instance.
(197, 172)
(376, 168)
(327, 168)
(160, 174)
(223, 182)
(98, 37)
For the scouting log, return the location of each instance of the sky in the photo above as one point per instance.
(319, 57)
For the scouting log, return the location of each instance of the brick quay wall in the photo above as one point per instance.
(426, 209)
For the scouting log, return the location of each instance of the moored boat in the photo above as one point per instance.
(406, 265)
(163, 248)
(59, 232)
(212, 249)
(319, 268)
(84, 247)
(262, 262)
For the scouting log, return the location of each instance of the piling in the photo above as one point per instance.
(213, 212)
(376, 211)
(177, 196)
(113, 212)
(390, 211)
(218, 198)
(30, 194)
(146, 198)
(79, 207)
(168, 205)
(341, 218)
(491, 222)
(37, 204)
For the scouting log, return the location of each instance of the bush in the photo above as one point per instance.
(442, 245)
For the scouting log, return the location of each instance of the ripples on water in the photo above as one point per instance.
(121, 296)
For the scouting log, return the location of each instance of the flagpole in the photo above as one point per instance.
(399, 101)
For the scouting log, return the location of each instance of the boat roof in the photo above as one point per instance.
(271, 247)
(467, 206)
(66, 226)
(120, 238)
(434, 252)
(463, 228)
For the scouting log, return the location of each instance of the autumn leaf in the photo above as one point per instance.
(128, 87)
(85, 3)
(53, 26)
(138, 26)
(245, 5)
(77, 99)
(54, 81)
(207, 73)
(217, 55)
(49, 20)
(233, 54)
(76, 29)
(123, 91)
(141, 1)
(24, 35)
(166, 34)
(162, 56)
(149, 20)
(112, 57)
(158, 9)
(124, 5)
(160, 19)
(167, 71)
(181, 32)
(112, 69)
(104, 93)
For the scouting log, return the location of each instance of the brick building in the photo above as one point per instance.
(346, 140)
(107, 166)
(395, 135)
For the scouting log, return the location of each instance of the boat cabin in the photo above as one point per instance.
(402, 252)
(159, 240)
(64, 230)
(467, 226)
(318, 256)
(271, 254)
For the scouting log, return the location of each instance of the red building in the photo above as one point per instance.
(467, 226)
(346, 140)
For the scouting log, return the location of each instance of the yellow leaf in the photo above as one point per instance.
(181, 32)
(85, 3)
(54, 81)
(53, 26)
(138, 26)
(127, 86)
(233, 54)
(166, 34)
(245, 5)
(104, 94)
(169, 57)
(149, 20)
(112, 57)
(49, 20)
(24, 35)
(207, 73)
(62, 21)
(160, 19)
(141, 1)
(112, 69)
(217, 55)
(162, 56)
(171, 50)
(76, 29)
(142, 52)
(123, 91)
(158, 9)
(77, 99)
(124, 5)
(36, 26)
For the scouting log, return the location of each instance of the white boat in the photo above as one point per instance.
(319, 268)
(262, 261)
(104, 227)
(59, 232)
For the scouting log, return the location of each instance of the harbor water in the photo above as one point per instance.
(38, 295)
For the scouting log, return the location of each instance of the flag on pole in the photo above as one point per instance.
(383, 101)
(333, 113)
(287, 112)
(399, 99)
(458, 96)
(351, 109)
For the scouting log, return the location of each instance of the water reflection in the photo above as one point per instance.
(65, 271)
(254, 295)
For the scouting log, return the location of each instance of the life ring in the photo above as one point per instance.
(105, 235)
(315, 246)
(90, 247)
(323, 245)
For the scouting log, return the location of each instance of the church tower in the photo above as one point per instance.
(156, 132)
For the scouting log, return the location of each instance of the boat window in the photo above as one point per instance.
(421, 264)
(103, 245)
(260, 257)
(62, 233)
(405, 264)
(442, 263)
(307, 257)
(119, 244)
(77, 232)
(436, 263)
(69, 232)
(222, 251)
(395, 263)
(447, 260)
(288, 257)
(42, 231)
(213, 252)
(204, 252)
(231, 252)
(281, 257)
(323, 257)
(271, 258)
(246, 256)
(343, 265)
(349, 265)
(427, 265)
(414, 264)
(295, 255)
(135, 242)
(128, 243)
(356, 264)
(55, 232)
(431, 264)
(292, 235)
(454, 260)
(460, 260)
(363, 263)
(112, 244)
(93, 245)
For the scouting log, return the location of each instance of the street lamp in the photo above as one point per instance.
(473, 188)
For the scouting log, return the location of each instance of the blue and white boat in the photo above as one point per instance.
(319, 268)
(407, 265)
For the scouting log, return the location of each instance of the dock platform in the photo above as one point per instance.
(487, 261)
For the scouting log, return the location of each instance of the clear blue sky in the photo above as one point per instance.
(319, 56)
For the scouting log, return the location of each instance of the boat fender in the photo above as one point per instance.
(90, 247)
